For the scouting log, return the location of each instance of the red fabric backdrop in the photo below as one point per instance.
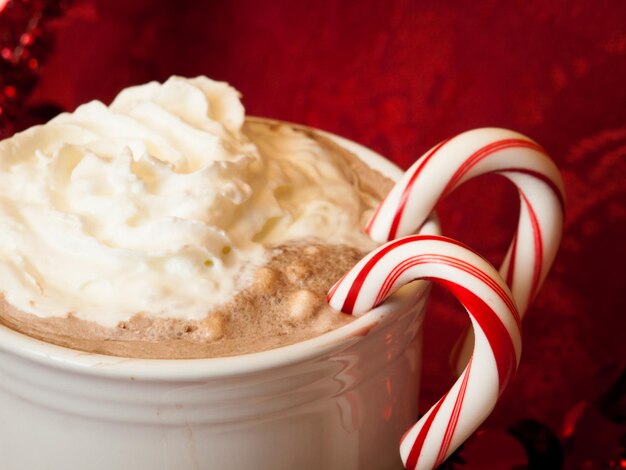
(399, 77)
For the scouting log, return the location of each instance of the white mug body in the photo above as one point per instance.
(339, 401)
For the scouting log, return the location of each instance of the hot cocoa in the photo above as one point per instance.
(168, 226)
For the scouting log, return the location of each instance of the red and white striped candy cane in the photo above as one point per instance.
(494, 318)
(455, 161)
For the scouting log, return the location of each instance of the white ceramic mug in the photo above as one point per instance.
(342, 400)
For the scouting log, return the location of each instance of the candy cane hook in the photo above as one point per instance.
(494, 318)
(451, 163)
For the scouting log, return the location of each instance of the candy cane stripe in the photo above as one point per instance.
(476, 284)
(468, 155)
(391, 278)
(511, 266)
(445, 445)
(485, 152)
(497, 335)
(348, 306)
(443, 260)
(537, 268)
(416, 448)
(407, 191)
(540, 176)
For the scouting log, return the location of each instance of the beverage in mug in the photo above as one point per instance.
(164, 227)
(164, 267)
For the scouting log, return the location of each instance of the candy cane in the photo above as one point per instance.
(494, 317)
(451, 163)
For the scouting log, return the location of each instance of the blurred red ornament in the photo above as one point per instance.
(26, 35)
(595, 431)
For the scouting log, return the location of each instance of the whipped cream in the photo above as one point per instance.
(161, 203)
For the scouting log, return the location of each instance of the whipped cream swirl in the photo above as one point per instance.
(160, 204)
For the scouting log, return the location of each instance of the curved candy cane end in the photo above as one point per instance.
(492, 310)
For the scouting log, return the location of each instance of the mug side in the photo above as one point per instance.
(340, 400)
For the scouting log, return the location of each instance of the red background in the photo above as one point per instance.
(398, 77)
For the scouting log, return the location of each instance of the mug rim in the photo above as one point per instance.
(72, 360)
